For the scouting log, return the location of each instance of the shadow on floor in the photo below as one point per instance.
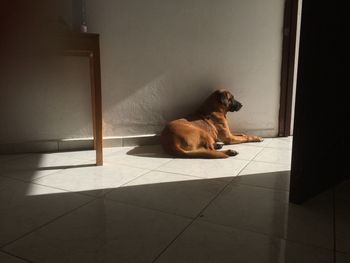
(152, 151)
(136, 223)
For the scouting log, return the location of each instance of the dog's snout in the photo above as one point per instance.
(236, 105)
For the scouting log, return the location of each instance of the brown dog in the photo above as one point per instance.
(199, 134)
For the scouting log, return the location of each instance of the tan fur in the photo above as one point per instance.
(196, 135)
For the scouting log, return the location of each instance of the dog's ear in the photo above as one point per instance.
(223, 99)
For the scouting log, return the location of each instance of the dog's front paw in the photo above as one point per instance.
(231, 152)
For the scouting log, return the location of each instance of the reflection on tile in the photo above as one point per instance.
(5, 258)
(342, 217)
(205, 168)
(102, 231)
(268, 211)
(272, 155)
(21, 213)
(274, 180)
(244, 152)
(94, 180)
(342, 257)
(205, 242)
(173, 193)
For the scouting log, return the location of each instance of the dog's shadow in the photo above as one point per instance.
(150, 151)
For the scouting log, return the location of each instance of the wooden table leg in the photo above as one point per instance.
(97, 105)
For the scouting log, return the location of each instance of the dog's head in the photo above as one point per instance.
(227, 100)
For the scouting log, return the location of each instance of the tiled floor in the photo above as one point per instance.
(145, 206)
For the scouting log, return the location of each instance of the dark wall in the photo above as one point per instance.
(320, 118)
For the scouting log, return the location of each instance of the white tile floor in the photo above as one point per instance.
(145, 206)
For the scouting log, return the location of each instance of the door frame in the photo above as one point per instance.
(288, 67)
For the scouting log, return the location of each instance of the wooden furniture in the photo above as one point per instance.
(87, 44)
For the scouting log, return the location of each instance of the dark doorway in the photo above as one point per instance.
(319, 137)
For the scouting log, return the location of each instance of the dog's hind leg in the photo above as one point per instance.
(205, 153)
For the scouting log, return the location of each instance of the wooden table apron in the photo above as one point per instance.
(87, 44)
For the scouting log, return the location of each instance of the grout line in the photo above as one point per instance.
(133, 166)
(112, 189)
(201, 212)
(27, 180)
(146, 208)
(262, 187)
(194, 219)
(107, 190)
(271, 162)
(45, 224)
(49, 186)
(251, 160)
(219, 179)
(15, 256)
(171, 242)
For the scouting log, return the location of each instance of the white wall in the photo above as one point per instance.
(45, 99)
(154, 53)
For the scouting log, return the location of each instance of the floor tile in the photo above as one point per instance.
(108, 151)
(173, 193)
(264, 167)
(281, 143)
(288, 138)
(271, 155)
(264, 143)
(80, 155)
(268, 211)
(48, 161)
(7, 157)
(204, 242)
(94, 180)
(255, 167)
(34, 166)
(245, 152)
(275, 180)
(28, 175)
(5, 258)
(25, 206)
(146, 157)
(102, 231)
(205, 168)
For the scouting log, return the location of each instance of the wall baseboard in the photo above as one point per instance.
(78, 144)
